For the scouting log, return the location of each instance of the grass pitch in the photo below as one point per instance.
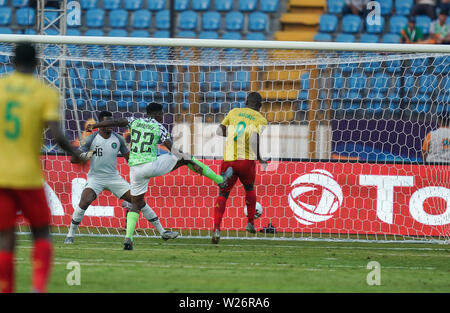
(240, 266)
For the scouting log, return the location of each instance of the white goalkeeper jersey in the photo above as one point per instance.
(104, 160)
(437, 144)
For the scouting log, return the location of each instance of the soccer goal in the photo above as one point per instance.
(345, 141)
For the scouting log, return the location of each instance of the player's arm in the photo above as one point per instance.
(85, 150)
(426, 147)
(221, 130)
(121, 122)
(62, 141)
(123, 147)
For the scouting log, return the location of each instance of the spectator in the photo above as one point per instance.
(411, 33)
(439, 30)
(425, 7)
(357, 7)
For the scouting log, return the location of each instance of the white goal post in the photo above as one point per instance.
(347, 126)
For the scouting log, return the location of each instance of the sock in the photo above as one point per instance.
(250, 201)
(6, 272)
(151, 216)
(132, 218)
(207, 172)
(77, 216)
(219, 209)
(42, 258)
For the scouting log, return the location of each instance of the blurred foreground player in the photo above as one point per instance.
(436, 146)
(27, 107)
(241, 127)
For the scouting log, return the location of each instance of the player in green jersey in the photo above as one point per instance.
(144, 162)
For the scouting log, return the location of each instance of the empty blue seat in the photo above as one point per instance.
(88, 4)
(375, 28)
(232, 36)
(390, 38)
(322, 37)
(378, 86)
(403, 7)
(163, 19)
(161, 34)
(241, 80)
(441, 65)
(147, 79)
(25, 16)
(141, 19)
(51, 32)
(181, 5)
(101, 78)
(118, 33)
(257, 21)
(6, 30)
(255, 36)
(187, 20)
(418, 66)
(125, 79)
(140, 33)
(111, 4)
(156, 5)
(5, 15)
(186, 34)
(368, 38)
(269, 6)
(208, 35)
(234, 21)
(19, 3)
(211, 21)
(328, 23)
(342, 37)
(95, 17)
(397, 23)
(427, 84)
(423, 22)
(201, 5)
(351, 23)
(386, 7)
(118, 18)
(247, 5)
(50, 16)
(94, 32)
(335, 6)
(132, 5)
(224, 5)
(78, 77)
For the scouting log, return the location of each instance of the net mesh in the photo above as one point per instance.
(345, 137)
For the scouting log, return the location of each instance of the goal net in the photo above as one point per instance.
(345, 140)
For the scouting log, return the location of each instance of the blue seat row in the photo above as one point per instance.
(268, 6)
(365, 38)
(401, 7)
(23, 16)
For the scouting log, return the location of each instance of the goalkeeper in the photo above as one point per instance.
(102, 148)
(144, 163)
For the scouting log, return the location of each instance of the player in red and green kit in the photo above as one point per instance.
(146, 133)
(241, 127)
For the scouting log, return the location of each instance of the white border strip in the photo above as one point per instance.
(216, 43)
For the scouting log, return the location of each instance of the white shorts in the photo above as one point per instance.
(140, 174)
(116, 184)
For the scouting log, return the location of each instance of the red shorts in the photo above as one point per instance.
(32, 203)
(245, 170)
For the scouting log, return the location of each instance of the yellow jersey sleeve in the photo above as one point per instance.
(50, 104)
(228, 118)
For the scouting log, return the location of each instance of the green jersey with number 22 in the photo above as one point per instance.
(145, 134)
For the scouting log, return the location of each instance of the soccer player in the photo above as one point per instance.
(241, 127)
(144, 163)
(102, 148)
(436, 146)
(27, 107)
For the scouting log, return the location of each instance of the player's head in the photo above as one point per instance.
(254, 101)
(155, 110)
(25, 59)
(444, 118)
(104, 116)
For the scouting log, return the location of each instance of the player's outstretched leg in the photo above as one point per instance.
(87, 197)
(150, 216)
(221, 180)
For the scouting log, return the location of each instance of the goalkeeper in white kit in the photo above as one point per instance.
(102, 148)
